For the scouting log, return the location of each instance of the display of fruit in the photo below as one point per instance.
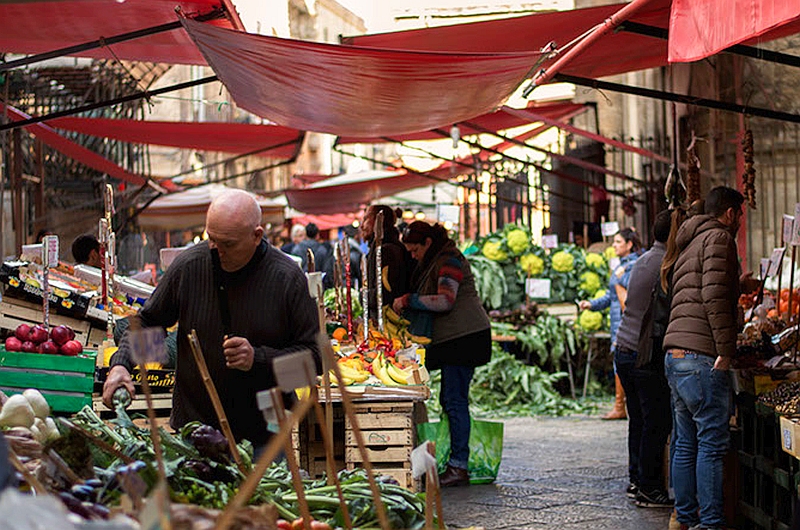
(37, 339)
(378, 368)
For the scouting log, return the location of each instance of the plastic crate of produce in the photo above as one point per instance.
(66, 382)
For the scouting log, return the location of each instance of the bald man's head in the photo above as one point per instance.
(233, 224)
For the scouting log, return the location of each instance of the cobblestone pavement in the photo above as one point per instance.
(561, 473)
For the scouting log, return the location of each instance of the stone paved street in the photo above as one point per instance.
(560, 473)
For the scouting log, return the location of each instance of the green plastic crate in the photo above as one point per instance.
(66, 382)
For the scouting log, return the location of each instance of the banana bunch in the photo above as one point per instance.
(396, 327)
(390, 374)
(352, 372)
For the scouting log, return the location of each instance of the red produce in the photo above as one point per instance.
(30, 347)
(13, 344)
(38, 334)
(22, 332)
(48, 347)
(61, 334)
(71, 348)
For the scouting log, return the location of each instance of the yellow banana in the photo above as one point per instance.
(403, 377)
(385, 279)
(345, 381)
(422, 341)
(394, 318)
(379, 371)
(391, 329)
(352, 374)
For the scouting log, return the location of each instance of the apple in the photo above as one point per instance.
(61, 334)
(13, 344)
(38, 334)
(71, 348)
(30, 347)
(22, 332)
(48, 347)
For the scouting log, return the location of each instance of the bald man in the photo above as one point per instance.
(249, 304)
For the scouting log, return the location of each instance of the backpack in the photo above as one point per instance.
(654, 327)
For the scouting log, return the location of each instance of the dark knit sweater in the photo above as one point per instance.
(269, 305)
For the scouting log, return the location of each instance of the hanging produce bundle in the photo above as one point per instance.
(749, 175)
(693, 192)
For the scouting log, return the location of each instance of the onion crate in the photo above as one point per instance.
(66, 382)
(389, 434)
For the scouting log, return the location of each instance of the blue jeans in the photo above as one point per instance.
(701, 401)
(454, 398)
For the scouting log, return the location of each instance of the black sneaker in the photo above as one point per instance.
(653, 499)
(632, 490)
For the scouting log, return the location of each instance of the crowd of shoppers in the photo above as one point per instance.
(673, 347)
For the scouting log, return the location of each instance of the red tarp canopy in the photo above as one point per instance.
(275, 140)
(75, 151)
(494, 121)
(324, 87)
(331, 197)
(699, 29)
(702, 29)
(326, 222)
(37, 26)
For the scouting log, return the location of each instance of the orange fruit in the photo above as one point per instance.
(340, 334)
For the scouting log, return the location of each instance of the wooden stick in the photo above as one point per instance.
(102, 444)
(327, 441)
(347, 404)
(274, 447)
(433, 487)
(291, 462)
(62, 466)
(326, 419)
(37, 486)
(212, 393)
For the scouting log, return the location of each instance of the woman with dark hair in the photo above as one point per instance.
(443, 288)
(626, 246)
(395, 259)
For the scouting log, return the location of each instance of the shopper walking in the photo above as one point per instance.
(700, 343)
(395, 259)
(444, 289)
(639, 360)
(626, 246)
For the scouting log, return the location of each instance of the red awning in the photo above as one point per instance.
(498, 120)
(35, 26)
(330, 197)
(274, 141)
(698, 29)
(75, 151)
(616, 53)
(324, 87)
(326, 222)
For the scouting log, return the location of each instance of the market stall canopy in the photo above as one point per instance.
(272, 141)
(187, 209)
(495, 121)
(325, 222)
(77, 152)
(38, 26)
(697, 29)
(700, 29)
(352, 91)
(351, 192)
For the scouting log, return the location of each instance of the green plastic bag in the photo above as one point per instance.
(485, 447)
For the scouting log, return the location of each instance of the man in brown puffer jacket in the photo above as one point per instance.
(700, 343)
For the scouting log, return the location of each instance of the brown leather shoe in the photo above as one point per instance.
(454, 476)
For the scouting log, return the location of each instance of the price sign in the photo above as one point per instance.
(148, 345)
(775, 261)
(538, 288)
(609, 229)
(550, 241)
(50, 251)
(764, 267)
(786, 228)
(796, 225)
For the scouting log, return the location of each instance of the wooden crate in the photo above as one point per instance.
(66, 382)
(389, 436)
(14, 311)
(309, 447)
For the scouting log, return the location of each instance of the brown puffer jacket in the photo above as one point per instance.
(705, 289)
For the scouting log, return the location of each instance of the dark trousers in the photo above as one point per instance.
(649, 419)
